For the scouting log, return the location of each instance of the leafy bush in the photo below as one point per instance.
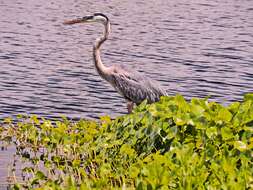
(172, 144)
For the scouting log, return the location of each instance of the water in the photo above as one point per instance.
(195, 48)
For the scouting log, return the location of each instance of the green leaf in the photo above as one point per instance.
(134, 171)
(40, 175)
(126, 149)
(234, 107)
(240, 145)
(224, 115)
(248, 97)
(171, 144)
(226, 133)
(8, 120)
(197, 110)
(211, 132)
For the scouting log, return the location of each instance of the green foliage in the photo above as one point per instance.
(172, 144)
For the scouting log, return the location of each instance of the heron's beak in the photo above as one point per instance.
(79, 20)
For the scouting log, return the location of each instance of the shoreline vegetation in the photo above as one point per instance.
(171, 144)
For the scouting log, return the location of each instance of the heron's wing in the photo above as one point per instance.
(136, 87)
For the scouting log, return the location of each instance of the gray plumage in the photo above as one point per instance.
(133, 86)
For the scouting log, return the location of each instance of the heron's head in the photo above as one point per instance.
(97, 17)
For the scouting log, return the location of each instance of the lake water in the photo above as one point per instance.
(195, 48)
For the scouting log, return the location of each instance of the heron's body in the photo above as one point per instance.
(135, 87)
(132, 85)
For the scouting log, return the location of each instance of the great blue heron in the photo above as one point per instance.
(133, 86)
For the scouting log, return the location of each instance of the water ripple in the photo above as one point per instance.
(196, 49)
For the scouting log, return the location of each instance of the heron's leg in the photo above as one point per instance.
(130, 106)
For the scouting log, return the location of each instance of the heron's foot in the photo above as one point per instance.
(130, 106)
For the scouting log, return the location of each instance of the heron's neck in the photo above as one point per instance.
(101, 68)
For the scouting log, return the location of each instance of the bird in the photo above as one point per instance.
(131, 84)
